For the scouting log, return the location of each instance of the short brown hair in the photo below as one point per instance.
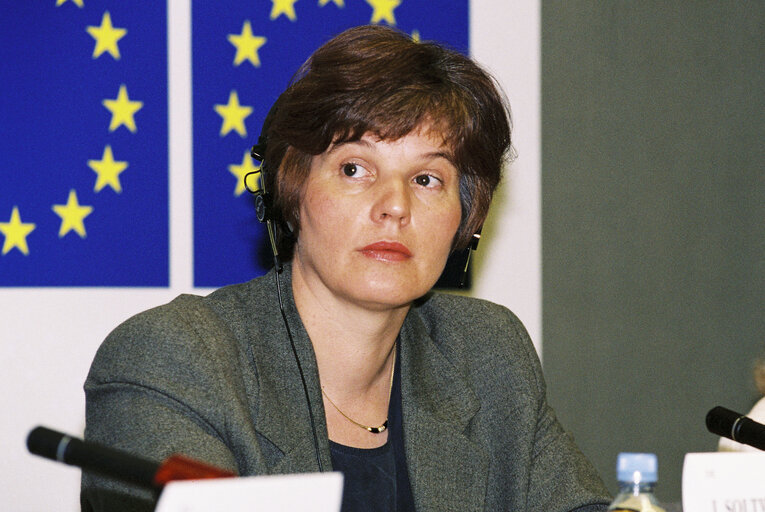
(759, 375)
(375, 79)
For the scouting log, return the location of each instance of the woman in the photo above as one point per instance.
(382, 158)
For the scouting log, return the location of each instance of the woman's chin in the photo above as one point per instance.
(387, 294)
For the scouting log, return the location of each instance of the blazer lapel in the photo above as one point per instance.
(282, 415)
(447, 470)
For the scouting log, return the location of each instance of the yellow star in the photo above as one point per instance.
(78, 3)
(108, 171)
(233, 115)
(122, 110)
(247, 45)
(416, 36)
(16, 233)
(338, 3)
(106, 37)
(72, 215)
(240, 171)
(383, 10)
(286, 7)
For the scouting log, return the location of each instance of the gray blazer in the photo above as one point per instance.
(214, 378)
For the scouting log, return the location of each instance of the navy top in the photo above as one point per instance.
(376, 479)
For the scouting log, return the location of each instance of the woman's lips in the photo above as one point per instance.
(387, 251)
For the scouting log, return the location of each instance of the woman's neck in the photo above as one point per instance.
(353, 343)
(354, 347)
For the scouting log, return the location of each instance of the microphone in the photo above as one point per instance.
(735, 426)
(110, 462)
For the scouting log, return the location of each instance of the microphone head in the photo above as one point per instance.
(721, 421)
(44, 442)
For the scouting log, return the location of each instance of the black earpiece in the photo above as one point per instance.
(263, 198)
(472, 246)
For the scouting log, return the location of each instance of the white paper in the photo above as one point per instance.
(724, 482)
(295, 493)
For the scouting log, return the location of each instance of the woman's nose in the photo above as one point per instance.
(392, 202)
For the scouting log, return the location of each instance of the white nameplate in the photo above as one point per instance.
(724, 482)
(303, 492)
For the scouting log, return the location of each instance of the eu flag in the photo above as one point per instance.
(84, 128)
(244, 55)
(83, 144)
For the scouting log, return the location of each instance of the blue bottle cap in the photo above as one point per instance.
(637, 468)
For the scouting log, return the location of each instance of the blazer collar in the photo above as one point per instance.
(282, 415)
(447, 470)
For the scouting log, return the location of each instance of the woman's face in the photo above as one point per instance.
(377, 220)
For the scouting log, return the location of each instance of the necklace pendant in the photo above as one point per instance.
(379, 430)
(372, 430)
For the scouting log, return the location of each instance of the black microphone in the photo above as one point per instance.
(735, 426)
(118, 464)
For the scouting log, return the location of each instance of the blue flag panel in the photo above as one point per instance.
(244, 54)
(83, 143)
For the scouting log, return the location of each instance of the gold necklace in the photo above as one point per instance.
(374, 430)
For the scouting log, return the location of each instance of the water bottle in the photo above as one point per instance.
(637, 475)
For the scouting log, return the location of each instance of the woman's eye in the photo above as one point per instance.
(426, 180)
(353, 170)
